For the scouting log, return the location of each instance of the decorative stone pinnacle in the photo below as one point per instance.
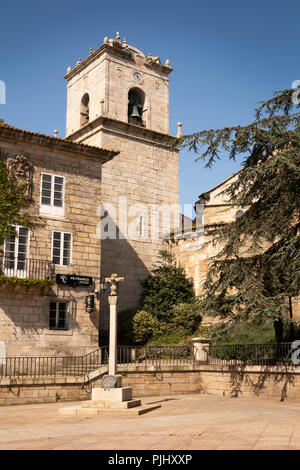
(179, 131)
(56, 133)
(105, 41)
(168, 63)
(117, 41)
(91, 50)
(69, 69)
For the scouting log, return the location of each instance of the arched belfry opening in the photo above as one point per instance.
(84, 109)
(136, 101)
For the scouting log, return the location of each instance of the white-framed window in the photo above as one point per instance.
(52, 195)
(61, 248)
(58, 315)
(15, 255)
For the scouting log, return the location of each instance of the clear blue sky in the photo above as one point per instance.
(226, 55)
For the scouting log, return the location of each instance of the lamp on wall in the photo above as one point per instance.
(103, 284)
(90, 303)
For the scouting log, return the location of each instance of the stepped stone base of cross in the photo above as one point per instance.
(111, 397)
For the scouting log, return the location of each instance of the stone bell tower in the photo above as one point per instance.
(119, 98)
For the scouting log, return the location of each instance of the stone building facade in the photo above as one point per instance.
(64, 179)
(117, 98)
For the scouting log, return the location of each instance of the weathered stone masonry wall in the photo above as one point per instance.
(24, 313)
(277, 383)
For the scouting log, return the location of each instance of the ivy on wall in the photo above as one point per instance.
(14, 203)
(15, 281)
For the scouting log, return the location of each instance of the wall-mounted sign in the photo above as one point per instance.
(90, 303)
(74, 280)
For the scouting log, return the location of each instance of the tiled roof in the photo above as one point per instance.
(11, 132)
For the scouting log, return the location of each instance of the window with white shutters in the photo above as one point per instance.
(52, 195)
(15, 261)
(61, 248)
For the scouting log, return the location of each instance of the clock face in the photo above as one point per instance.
(137, 77)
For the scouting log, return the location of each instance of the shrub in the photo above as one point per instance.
(144, 326)
(186, 317)
(242, 333)
(167, 338)
(167, 286)
(251, 333)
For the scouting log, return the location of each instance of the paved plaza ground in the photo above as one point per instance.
(183, 422)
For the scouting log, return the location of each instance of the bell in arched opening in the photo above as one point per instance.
(136, 100)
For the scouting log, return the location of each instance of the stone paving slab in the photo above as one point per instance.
(184, 422)
(86, 411)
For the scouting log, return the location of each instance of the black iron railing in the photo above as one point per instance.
(151, 355)
(252, 354)
(53, 366)
(27, 268)
(158, 356)
(59, 366)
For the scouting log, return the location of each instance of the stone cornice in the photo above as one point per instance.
(130, 129)
(116, 52)
(12, 133)
(159, 67)
(104, 48)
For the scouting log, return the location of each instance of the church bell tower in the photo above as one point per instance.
(118, 98)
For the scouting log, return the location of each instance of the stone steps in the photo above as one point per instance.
(84, 411)
(111, 404)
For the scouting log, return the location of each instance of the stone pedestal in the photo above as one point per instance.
(112, 394)
(201, 349)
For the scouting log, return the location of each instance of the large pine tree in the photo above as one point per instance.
(258, 266)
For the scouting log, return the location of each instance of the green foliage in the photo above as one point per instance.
(14, 281)
(167, 338)
(167, 286)
(185, 321)
(13, 205)
(251, 333)
(258, 266)
(242, 333)
(144, 326)
(169, 310)
(186, 317)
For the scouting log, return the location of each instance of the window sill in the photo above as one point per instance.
(52, 331)
(52, 216)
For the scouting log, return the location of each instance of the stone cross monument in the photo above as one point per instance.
(111, 398)
(114, 280)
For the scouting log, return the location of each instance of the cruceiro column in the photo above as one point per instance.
(111, 397)
(113, 322)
